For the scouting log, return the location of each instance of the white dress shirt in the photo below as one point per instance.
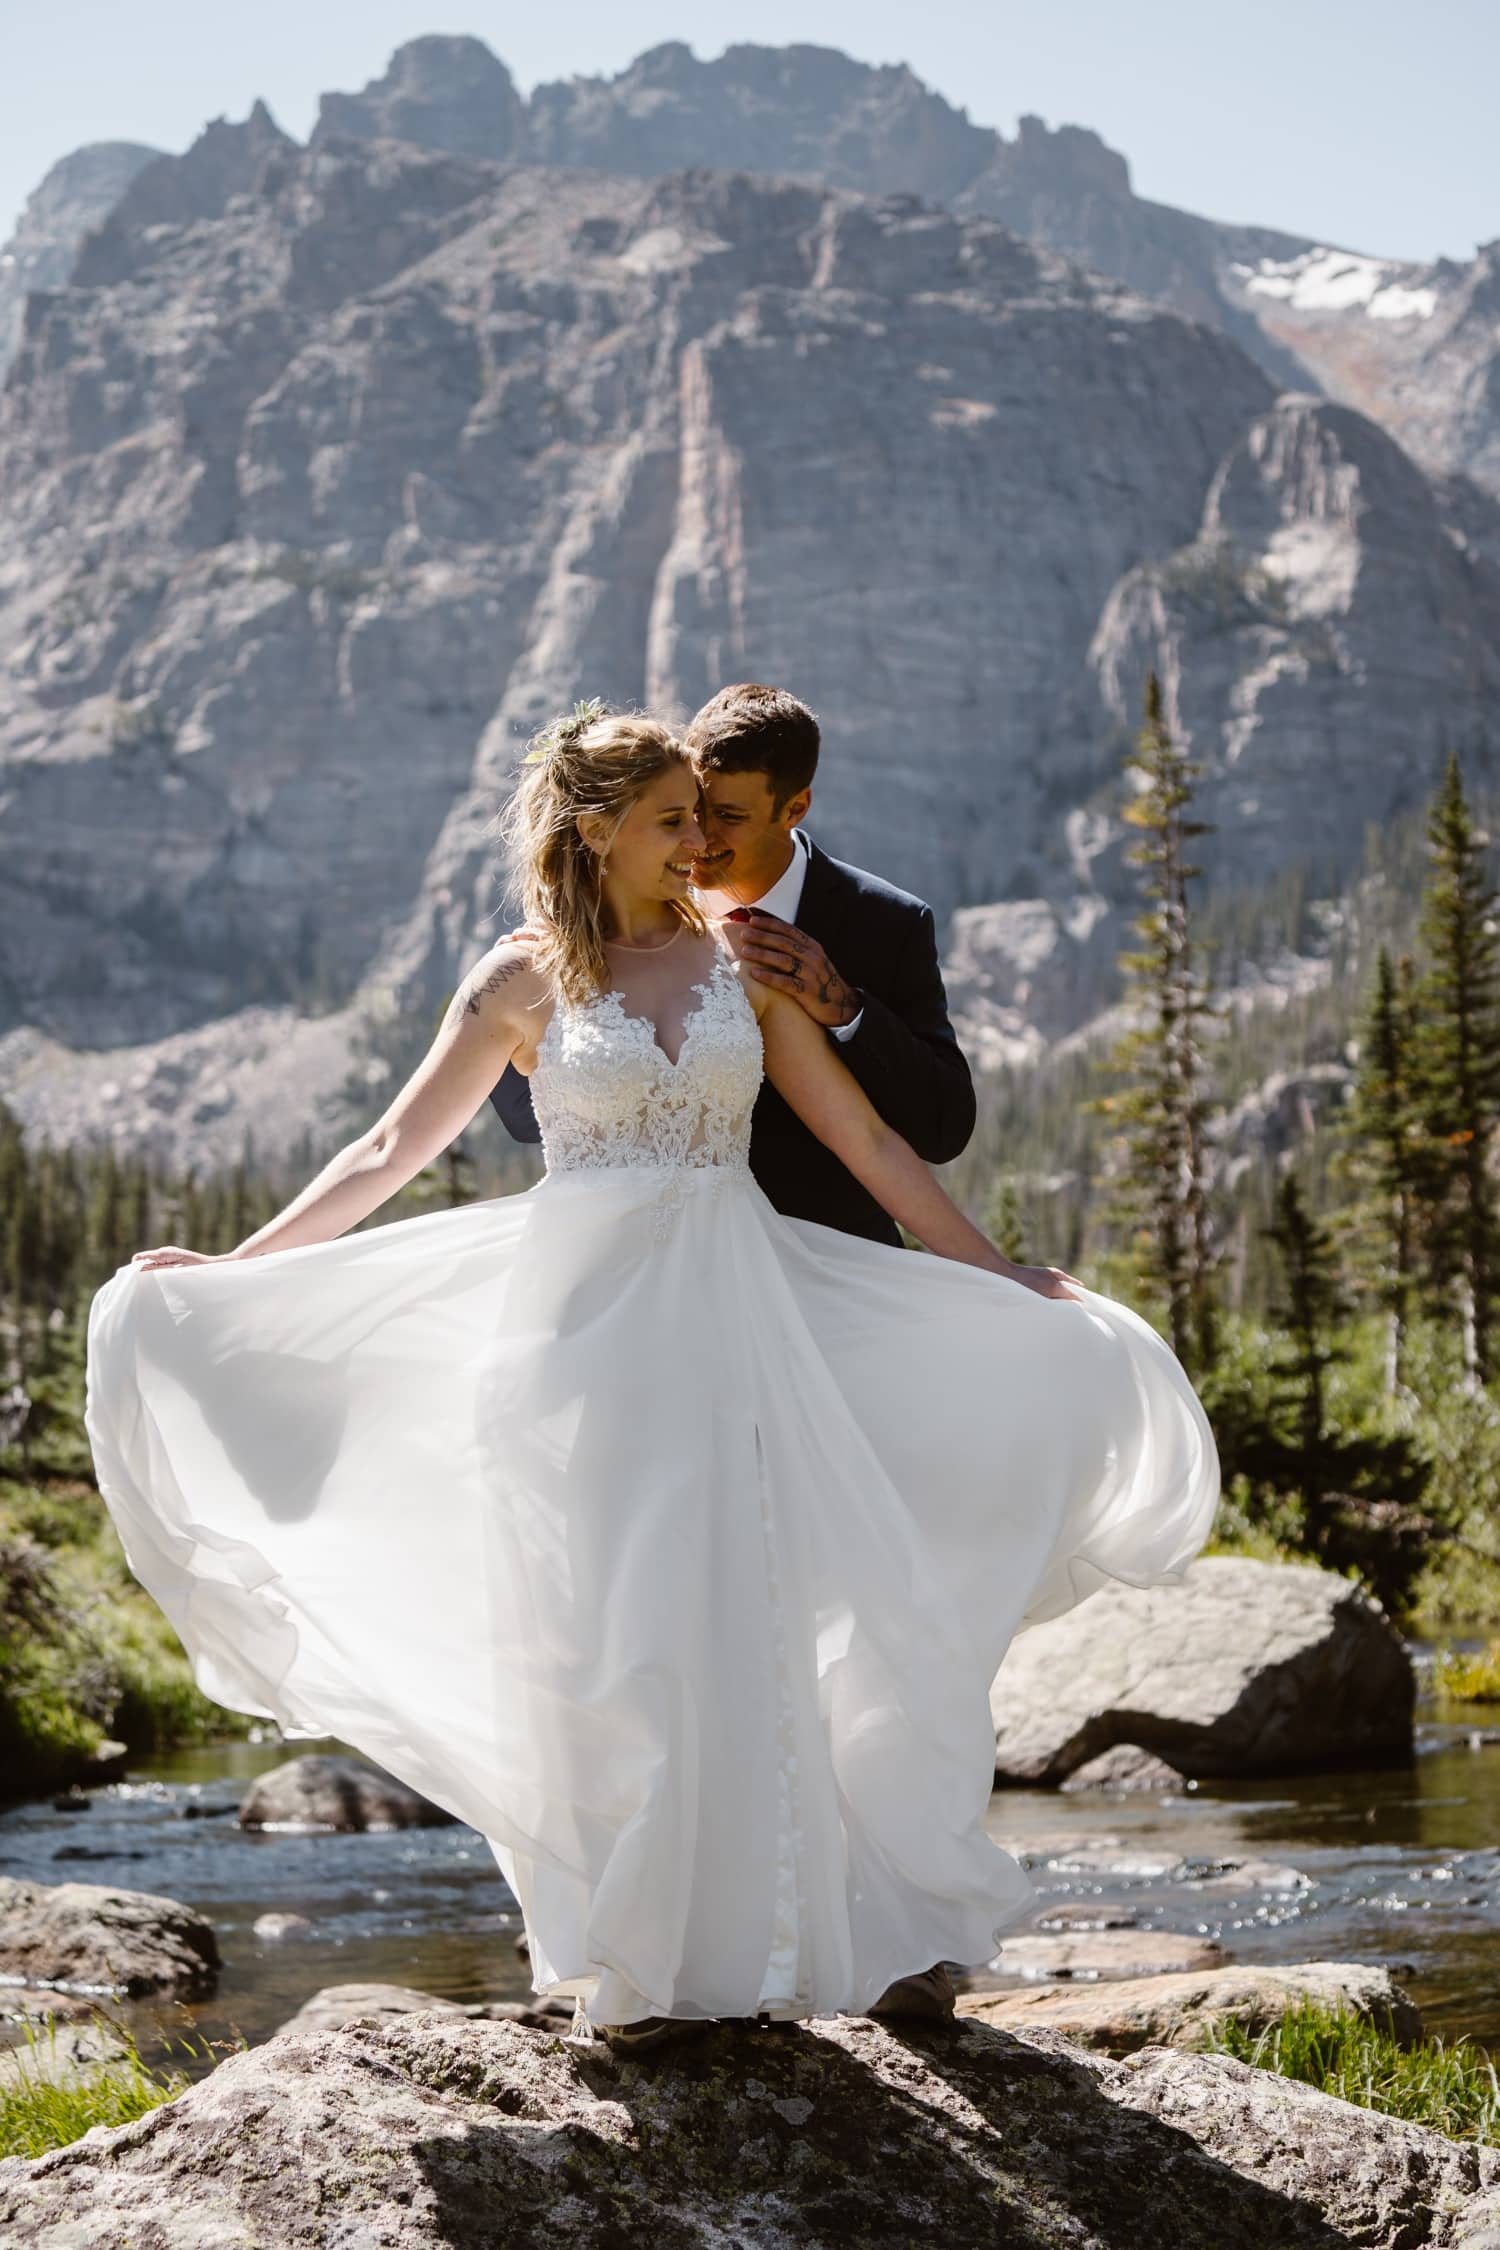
(782, 899)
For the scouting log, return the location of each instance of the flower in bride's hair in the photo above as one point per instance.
(563, 732)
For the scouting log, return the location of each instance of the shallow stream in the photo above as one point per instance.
(1400, 1866)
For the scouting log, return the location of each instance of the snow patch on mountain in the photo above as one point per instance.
(1326, 281)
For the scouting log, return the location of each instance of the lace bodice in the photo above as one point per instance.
(606, 1093)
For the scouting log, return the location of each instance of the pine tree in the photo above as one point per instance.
(104, 1234)
(1163, 1196)
(1383, 1130)
(1310, 1303)
(1361, 1492)
(20, 1244)
(1458, 1068)
(60, 1193)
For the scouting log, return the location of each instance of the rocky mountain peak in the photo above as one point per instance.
(443, 92)
(225, 160)
(1412, 346)
(807, 111)
(76, 196)
(337, 469)
(1063, 159)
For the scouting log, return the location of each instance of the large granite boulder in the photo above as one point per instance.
(427, 2131)
(318, 1792)
(1185, 2010)
(1094, 1954)
(1127, 1770)
(1243, 1667)
(94, 1938)
(338, 2004)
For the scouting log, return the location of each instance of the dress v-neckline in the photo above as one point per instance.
(648, 1025)
(614, 998)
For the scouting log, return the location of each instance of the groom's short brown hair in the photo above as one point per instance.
(755, 729)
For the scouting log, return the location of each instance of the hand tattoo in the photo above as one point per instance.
(789, 957)
(832, 992)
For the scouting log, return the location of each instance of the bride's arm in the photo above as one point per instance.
(484, 1026)
(806, 1071)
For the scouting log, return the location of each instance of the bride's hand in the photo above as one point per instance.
(170, 1255)
(1047, 1281)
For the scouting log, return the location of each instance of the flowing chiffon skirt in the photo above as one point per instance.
(677, 1559)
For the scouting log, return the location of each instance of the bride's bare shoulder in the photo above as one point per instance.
(759, 995)
(501, 988)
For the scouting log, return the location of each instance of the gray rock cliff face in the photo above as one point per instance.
(317, 505)
(800, 111)
(1416, 347)
(1323, 609)
(333, 471)
(76, 196)
(1066, 187)
(225, 161)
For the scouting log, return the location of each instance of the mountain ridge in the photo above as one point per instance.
(335, 469)
(1410, 343)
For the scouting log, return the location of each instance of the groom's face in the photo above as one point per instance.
(747, 837)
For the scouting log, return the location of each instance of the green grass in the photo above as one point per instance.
(1469, 1679)
(1453, 2089)
(84, 1651)
(44, 2106)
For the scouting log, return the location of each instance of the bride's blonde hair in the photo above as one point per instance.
(594, 761)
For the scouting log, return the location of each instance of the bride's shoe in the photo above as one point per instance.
(929, 1993)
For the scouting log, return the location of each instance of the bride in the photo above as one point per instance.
(670, 1542)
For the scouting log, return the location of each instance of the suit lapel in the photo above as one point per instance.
(823, 906)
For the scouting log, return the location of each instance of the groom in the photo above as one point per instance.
(856, 953)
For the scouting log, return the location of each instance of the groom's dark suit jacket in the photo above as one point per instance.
(904, 1054)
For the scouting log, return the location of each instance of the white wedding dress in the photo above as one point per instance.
(672, 1543)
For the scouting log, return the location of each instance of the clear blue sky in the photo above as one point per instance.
(1367, 123)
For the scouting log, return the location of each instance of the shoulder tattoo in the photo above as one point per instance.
(480, 984)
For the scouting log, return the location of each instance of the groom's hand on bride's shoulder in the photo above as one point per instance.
(780, 954)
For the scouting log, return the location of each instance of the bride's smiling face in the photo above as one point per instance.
(652, 851)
